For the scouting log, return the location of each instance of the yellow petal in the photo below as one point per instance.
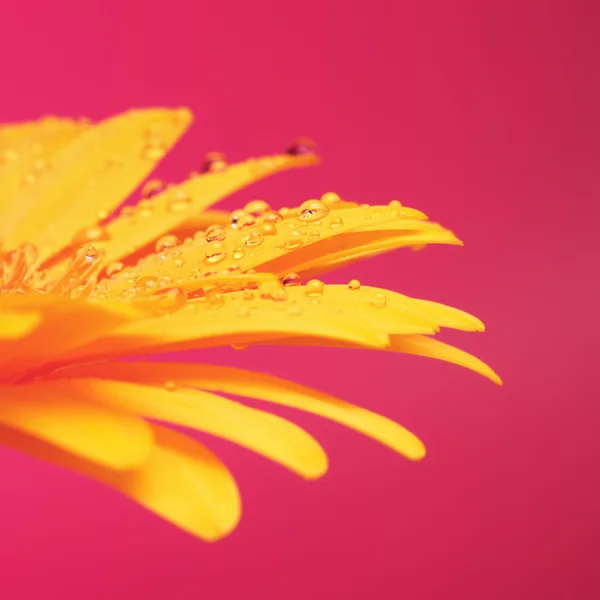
(292, 245)
(93, 175)
(181, 480)
(26, 160)
(63, 325)
(229, 319)
(17, 324)
(268, 435)
(422, 345)
(105, 436)
(168, 210)
(263, 387)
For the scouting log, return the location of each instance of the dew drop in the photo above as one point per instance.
(170, 299)
(170, 386)
(315, 234)
(293, 240)
(395, 204)
(336, 223)
(166, 242)
(236, 215)
(379, 301)
(215, 233)
(114, 268)
(300, 146)
(354, 284)
(268, 229)
(91, 254)
(330, 198)
(152, 188)
(238, 253)
(272, 217)
(154, 150)
(145, 208)
(257, 208)
(292, 279)
(214, 252)
(312, 210)
(314, 288)
(90, 234)
(214, 162)
(179, 202)
(254, 238)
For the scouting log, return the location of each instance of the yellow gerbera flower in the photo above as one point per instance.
(81, 288)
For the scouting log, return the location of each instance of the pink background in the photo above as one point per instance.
(484, 115)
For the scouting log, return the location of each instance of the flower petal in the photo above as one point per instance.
(168, 210)
(267, 434)
(263, 387)
(105, 436)
(93, 175)
(181, 481)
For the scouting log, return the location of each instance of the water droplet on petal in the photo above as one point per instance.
(354, 284)
(238, 253)
(214, 162)
(315, 234)
(214, 252)
(395, 204)
(114, 268)
(293, 240)
(170, 299)
(314, 288)
(292, 279)
(330, 198)
(272, 217)
(254, 238)
(215, 233)
(379, 300)
(257, 208)
(301, 145)
(312, 210)
(170, 386)
(166, 242)
(336, 223)
(268, 229)
(91, 254)
(179, 202)
(154, 150)
(90, 234)
(152, 188)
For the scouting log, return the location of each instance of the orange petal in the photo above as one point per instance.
(268, 435)
(170, 209)
(105, 436)
(93, 175)
(181, 480)
(263, 387)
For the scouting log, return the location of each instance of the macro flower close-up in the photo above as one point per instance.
(91, 289)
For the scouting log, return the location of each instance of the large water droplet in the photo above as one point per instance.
(379, 300)
(238, 253)
(254, 238)
(294, 239)
(330, 198)
(215, 233)
(292, 279)
(312, 210)
(354, 284)
(170, 299)
(214, 162)
(166, 242)
(314, 288)
(215, 251)
(257, 208)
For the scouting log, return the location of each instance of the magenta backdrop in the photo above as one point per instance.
(482, 114)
